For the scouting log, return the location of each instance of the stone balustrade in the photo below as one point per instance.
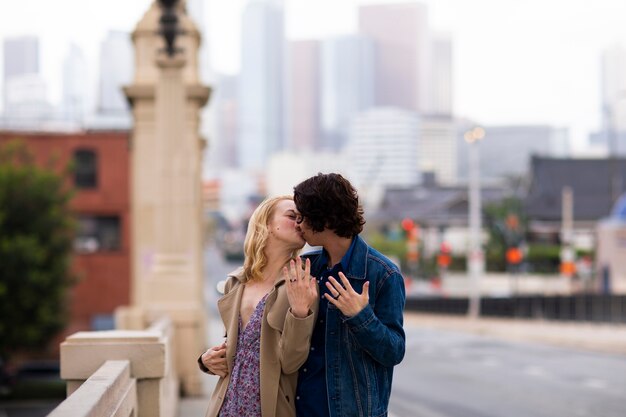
(109, 392)
(120, 373)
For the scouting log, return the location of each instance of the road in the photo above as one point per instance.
(453, 374)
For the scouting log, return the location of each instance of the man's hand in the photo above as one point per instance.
(348, 301)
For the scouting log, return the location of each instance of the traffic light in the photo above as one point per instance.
(444, 259)
(514, 255)
(407, 224)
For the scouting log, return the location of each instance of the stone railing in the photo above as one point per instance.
(120, 373)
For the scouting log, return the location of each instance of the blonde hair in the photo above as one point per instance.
(257, 236)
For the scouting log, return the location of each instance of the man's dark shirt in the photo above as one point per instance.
(311, 394)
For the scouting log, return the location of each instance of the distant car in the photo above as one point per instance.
(232, 245)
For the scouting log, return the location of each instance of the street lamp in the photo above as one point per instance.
(475, 259)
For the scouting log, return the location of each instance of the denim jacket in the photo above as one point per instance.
(362, 350)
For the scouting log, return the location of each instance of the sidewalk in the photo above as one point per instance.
(604, 338)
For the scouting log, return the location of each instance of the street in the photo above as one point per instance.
(452, 374)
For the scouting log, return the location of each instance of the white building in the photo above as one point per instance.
(116, 71)
(437, 152)
(261, 90)
(26, 104)
(384, 146)
(441, 75)
(613, 96)
(74, 85)
(347, 86)
(21, 57)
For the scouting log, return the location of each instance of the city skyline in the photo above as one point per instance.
(533, 62)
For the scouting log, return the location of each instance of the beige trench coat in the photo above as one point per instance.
(285, 343)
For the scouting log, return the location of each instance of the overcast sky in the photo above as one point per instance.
(515, 61)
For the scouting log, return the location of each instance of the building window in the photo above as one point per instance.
(98, 233)
(85, 169)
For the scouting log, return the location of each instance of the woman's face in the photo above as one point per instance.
(282, 225)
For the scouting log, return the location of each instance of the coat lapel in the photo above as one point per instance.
(229, 306)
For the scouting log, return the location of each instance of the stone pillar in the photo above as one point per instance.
(166, 98)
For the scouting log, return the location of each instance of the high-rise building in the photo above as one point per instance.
(441, 75)
(437, 152)
(221, 151)
(197, 10)
(303, 95)
(347, 86)
(74, 85)
(261, 89)
(383, 147)
(25, 90)
(21, 57)
(402, 40)
(27, 104)
(116, 71)
(613, 94)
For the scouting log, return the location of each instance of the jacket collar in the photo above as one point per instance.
(357, 266)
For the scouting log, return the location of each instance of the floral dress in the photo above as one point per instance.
(243, 396)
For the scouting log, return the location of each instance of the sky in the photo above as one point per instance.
(514, 61)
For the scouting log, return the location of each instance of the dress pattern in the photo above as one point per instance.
(243, 396)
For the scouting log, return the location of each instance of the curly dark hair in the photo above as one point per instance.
(330, 201)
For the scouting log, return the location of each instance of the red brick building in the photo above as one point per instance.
(101, 179)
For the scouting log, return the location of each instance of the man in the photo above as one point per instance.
(358, 336)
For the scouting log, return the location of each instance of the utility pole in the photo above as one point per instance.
(475, 256)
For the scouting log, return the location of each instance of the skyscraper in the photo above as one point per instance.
(383, 147)
(303, 95)
(21, 57)
(221, 152)
(116, 71)
(261, 90)
(438, 148)
(613, 96)
(441, 75)
(74, 85)
(25, 90)
(347, 86)
(401, 37)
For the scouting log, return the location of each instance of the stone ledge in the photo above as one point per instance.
(82, 356)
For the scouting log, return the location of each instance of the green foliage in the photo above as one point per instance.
(389, 247)
(544, 258)
(501, 236)
(36, 233)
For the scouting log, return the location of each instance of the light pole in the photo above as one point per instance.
(475, 258)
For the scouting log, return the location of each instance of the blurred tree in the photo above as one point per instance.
(36, 233)
(506, 222)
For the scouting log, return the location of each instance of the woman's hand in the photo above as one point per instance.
(301, 288)
(215, 360)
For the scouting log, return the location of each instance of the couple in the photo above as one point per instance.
(317, 336)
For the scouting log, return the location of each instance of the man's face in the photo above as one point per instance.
(306, 232)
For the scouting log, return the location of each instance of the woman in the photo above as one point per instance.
(268, 310)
